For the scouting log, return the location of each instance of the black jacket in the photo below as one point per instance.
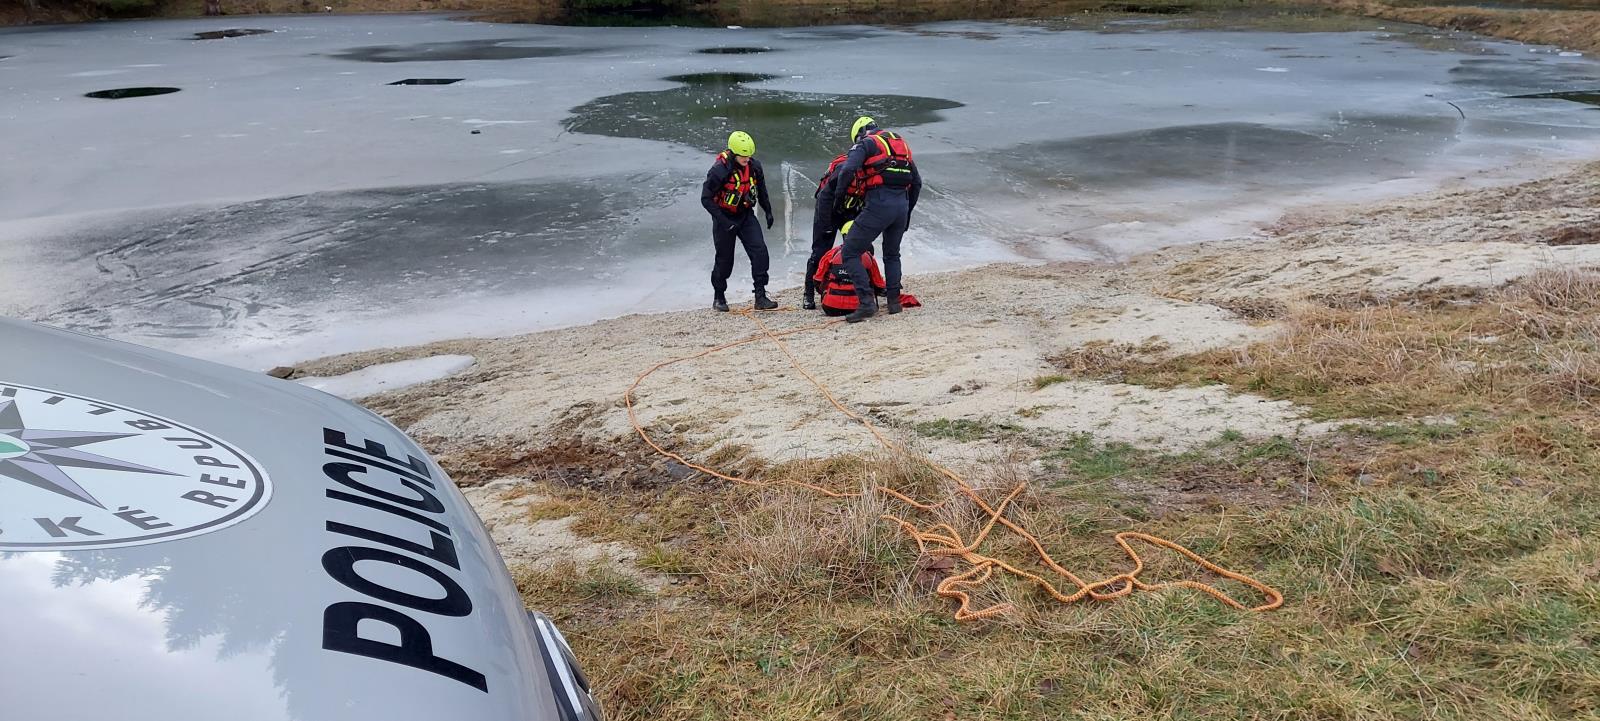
(718, 175)
(856, 158)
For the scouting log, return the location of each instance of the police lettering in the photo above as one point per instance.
(339, 624)
(372, 478)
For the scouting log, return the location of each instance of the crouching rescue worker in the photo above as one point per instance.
(831, 277)
(889, 177)
(839, 290)
(733, 187)
(832, 213)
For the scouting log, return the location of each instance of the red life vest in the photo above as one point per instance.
(855, 194)
(838, 291)
(889, 163)
(739, 191)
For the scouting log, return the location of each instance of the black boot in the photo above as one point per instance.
(893, 302)
(811, 295)
(763, 302)
(862, 312)
(719, 304)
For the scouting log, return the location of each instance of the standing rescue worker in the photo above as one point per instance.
(832, 213)
(838, 290)
(734, 186)
(882, 161)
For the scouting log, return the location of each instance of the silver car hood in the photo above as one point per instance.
(184, 541)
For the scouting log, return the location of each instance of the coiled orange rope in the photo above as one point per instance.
(944, 540)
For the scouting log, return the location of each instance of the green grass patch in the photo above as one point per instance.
(1043, 382)
(963, 430)
(1089, 460)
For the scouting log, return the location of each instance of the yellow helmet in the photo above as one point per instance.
(741, 143)
(844, 230)
(862, 122)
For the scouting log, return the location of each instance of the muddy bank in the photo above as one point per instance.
(1574, 24)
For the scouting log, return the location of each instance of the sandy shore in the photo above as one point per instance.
(981, 355)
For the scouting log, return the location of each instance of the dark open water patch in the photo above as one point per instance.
(511, 49)
(718, 80)
(1587, 97)
(427, 81)
(734, 51)
(794, 126)
(120, 93)
(230, 33)
(1230, 156)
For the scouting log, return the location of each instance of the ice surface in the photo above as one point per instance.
(289, 202)
(389, 376)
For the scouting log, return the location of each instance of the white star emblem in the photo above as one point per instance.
(37, 456)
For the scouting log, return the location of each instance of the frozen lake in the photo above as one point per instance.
(290, 201)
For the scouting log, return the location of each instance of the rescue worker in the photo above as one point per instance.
(832, 213)
(882, 160)
(838, 290)
(733, 187)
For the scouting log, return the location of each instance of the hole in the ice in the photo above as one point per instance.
(733, 51)
(1587, 97)
(120, 93)
(229, 33)
(718, 79)
(426, 81)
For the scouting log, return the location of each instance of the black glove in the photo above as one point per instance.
(769, 220)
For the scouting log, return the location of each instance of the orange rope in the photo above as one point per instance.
(943, 539)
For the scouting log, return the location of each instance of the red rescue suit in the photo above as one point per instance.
(838, 293)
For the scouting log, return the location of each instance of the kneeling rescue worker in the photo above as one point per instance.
(889, 176)
(838, 290)
(832, 213)
(733, 187)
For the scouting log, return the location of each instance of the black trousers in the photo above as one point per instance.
(888, 213)
(747, 230)
(825, 223)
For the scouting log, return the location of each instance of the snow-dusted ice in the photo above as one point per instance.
(290, 202)
(389, 376)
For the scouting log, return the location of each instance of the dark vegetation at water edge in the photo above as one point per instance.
(1568, 23)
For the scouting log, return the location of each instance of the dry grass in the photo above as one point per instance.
(1437, 568)
(1577, 28)
(1537, 340)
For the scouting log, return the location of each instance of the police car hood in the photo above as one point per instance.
(181, 541)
